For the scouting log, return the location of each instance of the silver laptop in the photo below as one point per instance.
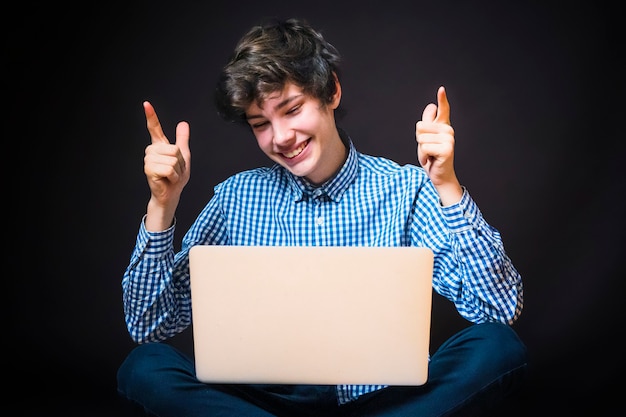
(311, 315)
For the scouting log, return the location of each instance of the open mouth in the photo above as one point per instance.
(295, 152)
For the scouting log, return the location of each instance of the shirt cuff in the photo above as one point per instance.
(463, 215)
(154, 244)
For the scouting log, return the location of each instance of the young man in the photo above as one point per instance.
(283, 81)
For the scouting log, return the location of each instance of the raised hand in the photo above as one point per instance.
(167, 168)
(435, 148)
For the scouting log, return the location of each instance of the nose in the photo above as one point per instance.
(284, 135)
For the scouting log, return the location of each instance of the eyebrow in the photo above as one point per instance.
(278, 106)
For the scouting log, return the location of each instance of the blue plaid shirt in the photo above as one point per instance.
(372, 201)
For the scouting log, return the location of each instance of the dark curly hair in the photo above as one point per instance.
(269, 56)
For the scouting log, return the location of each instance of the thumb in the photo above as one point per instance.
(430, 112)
(182, 140)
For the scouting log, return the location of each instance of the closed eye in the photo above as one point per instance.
(294, 109)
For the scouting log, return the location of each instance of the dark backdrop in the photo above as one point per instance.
(536, 95)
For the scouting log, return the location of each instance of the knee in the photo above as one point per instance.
(140, 366)
(500, 344)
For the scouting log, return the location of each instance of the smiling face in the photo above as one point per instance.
(298, 132)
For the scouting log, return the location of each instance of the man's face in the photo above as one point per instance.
(298, 132)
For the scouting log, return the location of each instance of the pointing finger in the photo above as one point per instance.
(443, 107)
(154, 126)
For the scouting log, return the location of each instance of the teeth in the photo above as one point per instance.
(295, 152)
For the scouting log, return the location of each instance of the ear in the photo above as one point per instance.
(336, 98)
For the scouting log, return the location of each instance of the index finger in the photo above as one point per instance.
(154, 126)
(443, 107)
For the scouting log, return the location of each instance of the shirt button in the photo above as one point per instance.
(319, 221)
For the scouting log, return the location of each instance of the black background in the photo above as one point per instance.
(536, 92)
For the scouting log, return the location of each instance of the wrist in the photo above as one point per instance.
(159, 217)
(449, 193)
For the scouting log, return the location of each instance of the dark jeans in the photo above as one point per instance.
(468, 375)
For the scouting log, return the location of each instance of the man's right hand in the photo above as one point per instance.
(167, 168)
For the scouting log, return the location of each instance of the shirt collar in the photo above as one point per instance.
(336, 186)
